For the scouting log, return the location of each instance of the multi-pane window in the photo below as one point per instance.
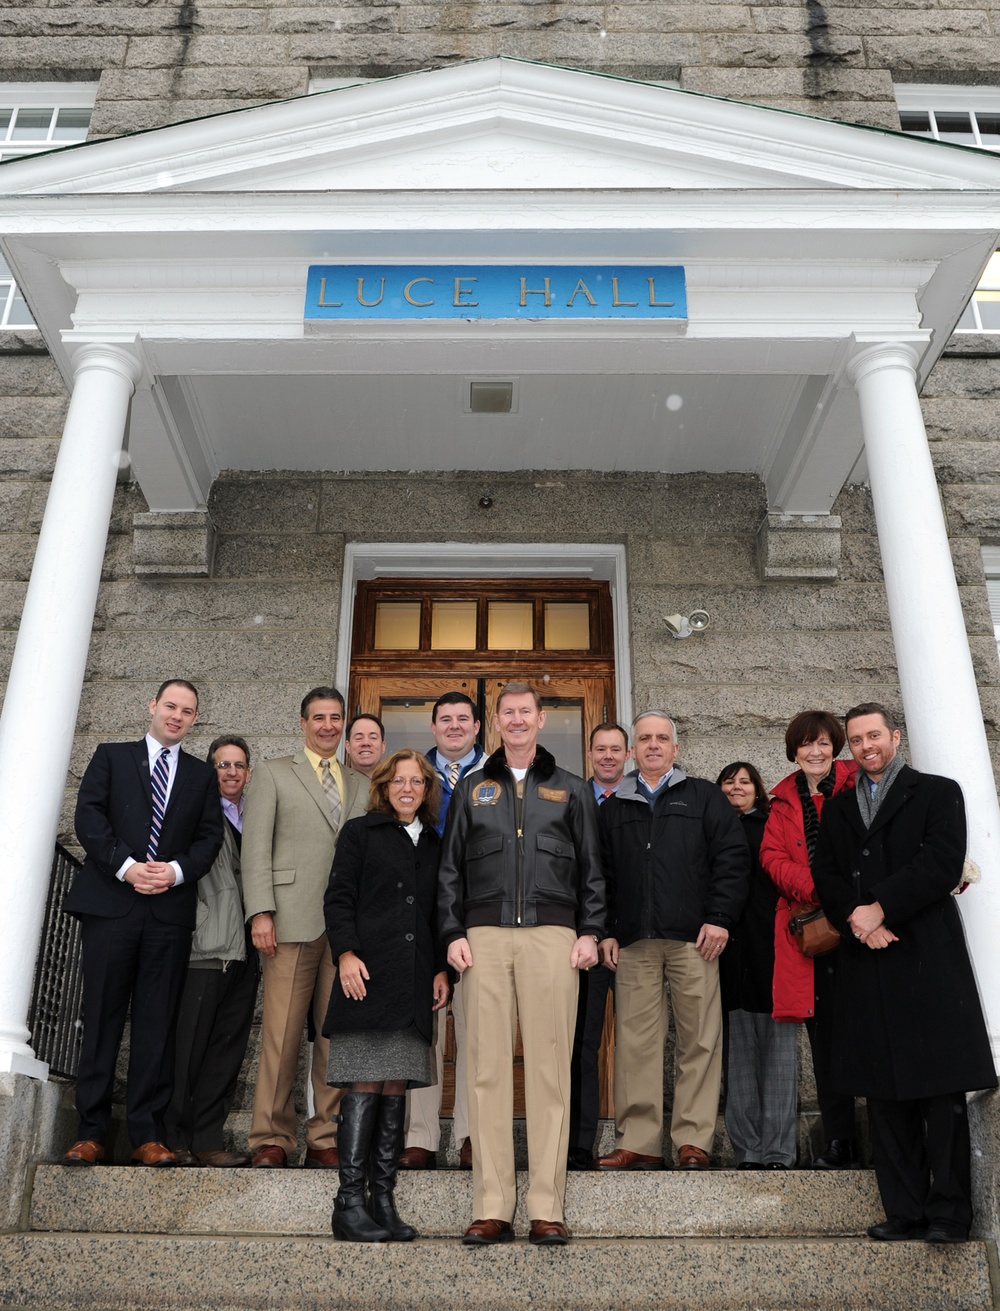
(964, 116)
(37, 116)
(991, 564)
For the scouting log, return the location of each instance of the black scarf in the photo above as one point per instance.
(810, 817)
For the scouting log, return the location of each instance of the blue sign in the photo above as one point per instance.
(495, 291)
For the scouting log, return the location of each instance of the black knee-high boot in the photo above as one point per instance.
(351, 1221)
(387, 1144)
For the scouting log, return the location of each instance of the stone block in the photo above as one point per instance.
(18, 1097)
(265, 504)
(485, 17)
(173, 545)
(967, 462)
(187, 51)
(708, 17)
(730, 50)
(279, 555)
(153, 603)
(854, 505)
(954, 59)
(766, 84)
(876, 20)
(22, 458)
(810, 607)
(688, 559)
(15, 499)
(388, 51)
(22, 341)
(964, 378)
(29, 375)
(973, 343)
(954, 417)
(791, 546)
(71, 54)
(297, 20)
(968, 561)
(17, 552)
(135, 21)
(208, 654)
(666, 50)
(973, 508)
(772, 659)
(33, 416)
(860, 558)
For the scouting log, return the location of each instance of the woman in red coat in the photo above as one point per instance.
(803, 991)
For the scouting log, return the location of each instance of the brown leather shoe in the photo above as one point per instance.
(85, 1152)
(182, 1157)
(153, 1154)
(548, 1233)
(222, 1160)
(269, 1157)
(322, 1158)
(465, 1154)
(483, 1233)
(692, 1158)
(622, 1159)
(417, 1158)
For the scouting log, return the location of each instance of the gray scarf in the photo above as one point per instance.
(868, 804)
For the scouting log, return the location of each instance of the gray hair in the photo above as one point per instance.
(659, 714)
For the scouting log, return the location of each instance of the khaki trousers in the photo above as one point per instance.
(423, 1105)
(641, 1020)
(297, 975)
(519, 974)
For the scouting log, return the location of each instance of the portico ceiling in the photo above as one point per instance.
(799, 238)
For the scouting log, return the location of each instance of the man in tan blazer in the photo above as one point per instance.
(293, 814)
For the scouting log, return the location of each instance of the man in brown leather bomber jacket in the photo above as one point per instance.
(521, 906)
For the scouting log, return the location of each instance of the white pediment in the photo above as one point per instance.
(502, 124)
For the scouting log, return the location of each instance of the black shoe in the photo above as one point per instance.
(383, 1162)
(774, 1165)
(579, 1158)
(946, 1231)
(359, 1113)
(895, 1230)
(750, 1165)
(840, 1154)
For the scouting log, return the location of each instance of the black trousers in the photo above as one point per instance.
(134, 961)
(836, 1109)
(922, 1157)
(584, 1097)
(213, 1027)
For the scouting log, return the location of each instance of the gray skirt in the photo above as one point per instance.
(373, 1056)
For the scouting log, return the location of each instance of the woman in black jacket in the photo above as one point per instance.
(380, 907)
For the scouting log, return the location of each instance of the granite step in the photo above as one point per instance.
(117, 1272)
(666, 1203)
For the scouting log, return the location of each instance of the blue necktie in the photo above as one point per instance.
(160, 778)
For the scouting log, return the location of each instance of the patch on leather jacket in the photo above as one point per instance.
(553, 794)
(487, 793)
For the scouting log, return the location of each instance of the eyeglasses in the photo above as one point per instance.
(408, 782)
(232, 764)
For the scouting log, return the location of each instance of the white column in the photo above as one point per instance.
(46, 677)
(944, 720)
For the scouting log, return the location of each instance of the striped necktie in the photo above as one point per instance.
(161, 776)
(454, 771)
(330, 788)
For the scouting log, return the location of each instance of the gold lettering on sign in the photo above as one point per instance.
(461, 291)
(545, 291)
(661, 304)
(620, 304)
(581, 289)
(327, 304)
(381, 293)
(421, 304)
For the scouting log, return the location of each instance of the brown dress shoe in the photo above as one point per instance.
(622, 1159)
(548, 1233)
(183, 1157)
(465, 1154)
(692, 1158)
(153, 1154)
(221, 1160)
(85, 1152)
(483, 1233)
(417, 1158)
(322, 1158)
(269, 1157)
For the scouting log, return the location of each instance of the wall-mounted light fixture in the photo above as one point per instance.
(684, 625)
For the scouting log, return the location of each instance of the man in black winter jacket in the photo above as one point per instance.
(521, 908)
(678, 872)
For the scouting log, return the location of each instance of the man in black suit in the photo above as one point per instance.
(908, 1029)
(148, 818)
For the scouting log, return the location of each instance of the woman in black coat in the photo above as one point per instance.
(380, 909)
(761, 1061)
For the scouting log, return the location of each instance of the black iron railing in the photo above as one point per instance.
(55, 1018)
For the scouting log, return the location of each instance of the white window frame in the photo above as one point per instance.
(991, 565)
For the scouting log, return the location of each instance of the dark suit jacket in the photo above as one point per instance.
(114, 813)
(907, 1021)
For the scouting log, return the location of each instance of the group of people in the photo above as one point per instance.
(367, 894)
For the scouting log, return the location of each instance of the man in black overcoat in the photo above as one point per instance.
(909, 1033)
(148, 818)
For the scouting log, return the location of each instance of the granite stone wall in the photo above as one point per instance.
(160, 61)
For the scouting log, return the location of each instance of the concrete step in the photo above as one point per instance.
(666, 1203)
(111, 1272)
